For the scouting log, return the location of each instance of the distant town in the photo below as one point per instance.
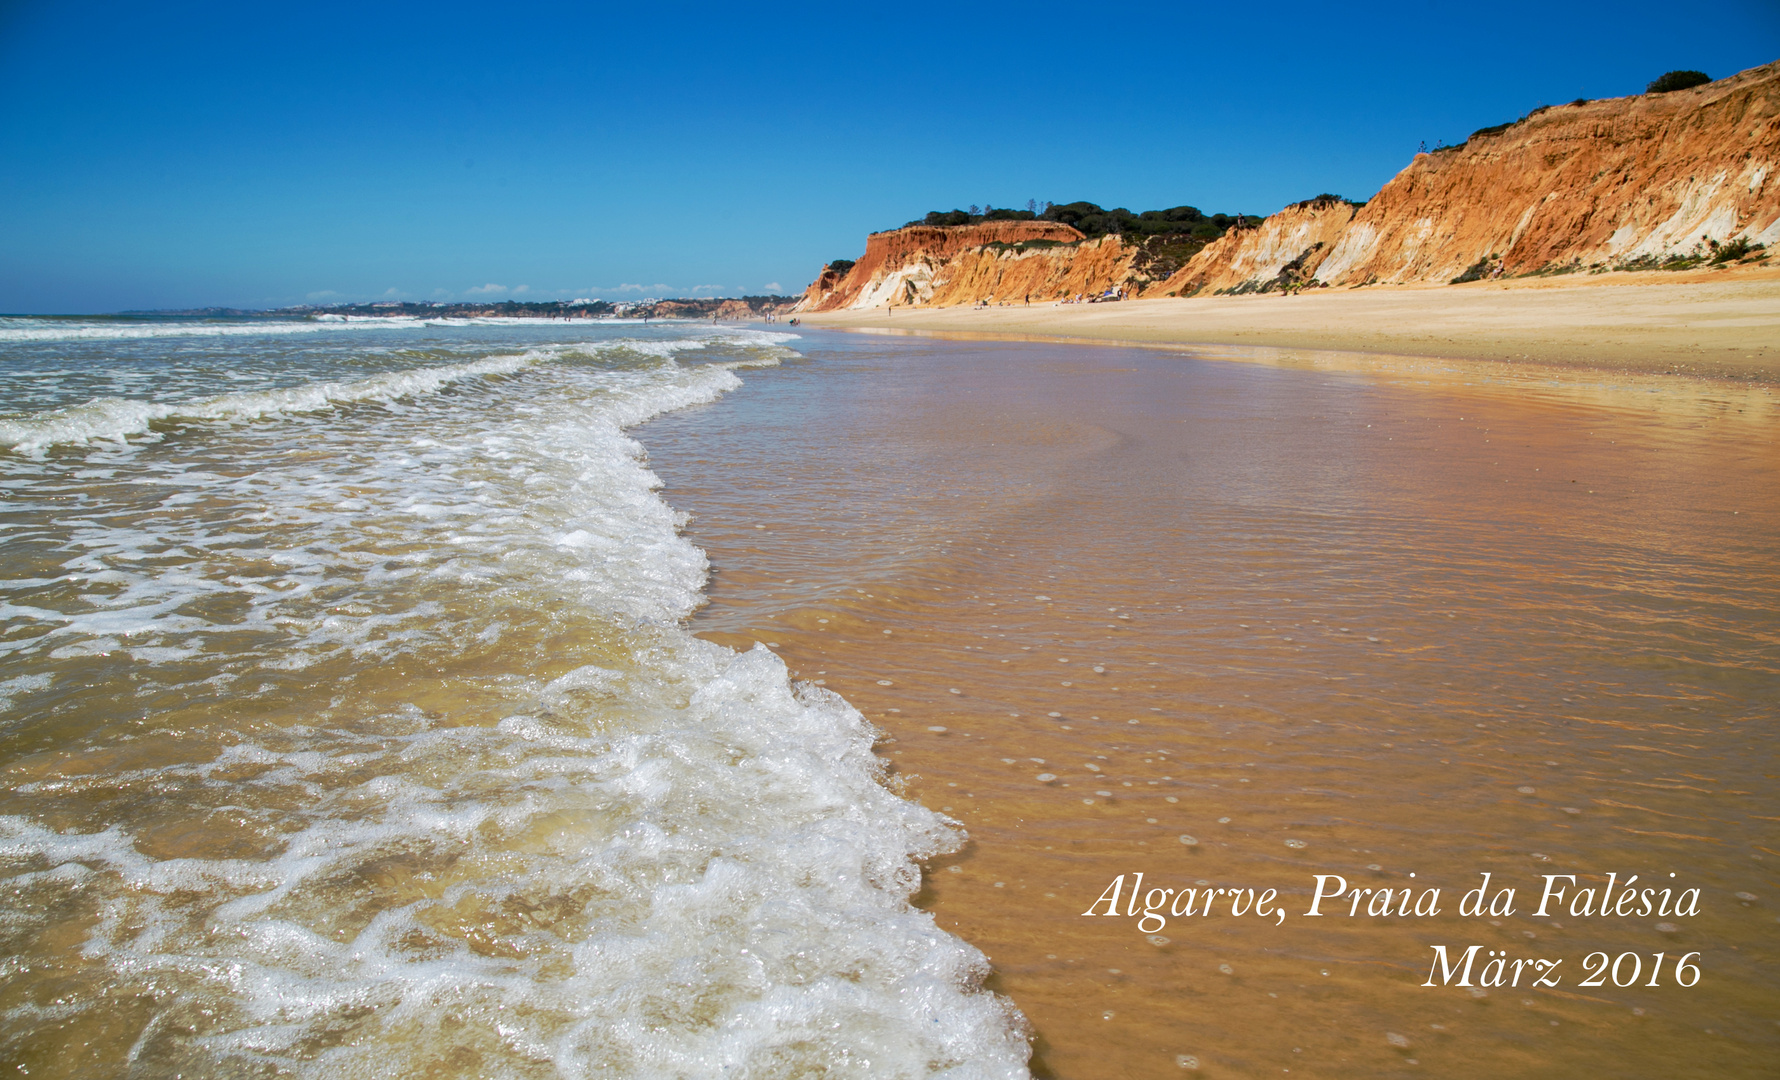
(746, 307)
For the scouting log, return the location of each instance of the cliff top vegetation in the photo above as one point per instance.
(1670, 81)
(1093, 221)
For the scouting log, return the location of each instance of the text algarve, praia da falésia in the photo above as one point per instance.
(1330, 894)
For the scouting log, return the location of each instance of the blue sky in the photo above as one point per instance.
(263, 155)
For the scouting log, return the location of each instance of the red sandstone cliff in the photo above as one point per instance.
(1285, 250)
(1621, 183)
(900, 265)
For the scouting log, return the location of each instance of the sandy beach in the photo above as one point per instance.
(1723, 324)
(1231, 625)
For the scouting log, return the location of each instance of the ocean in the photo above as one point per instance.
(351, 725)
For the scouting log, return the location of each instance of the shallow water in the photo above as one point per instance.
(1235, 625)
(350, 727)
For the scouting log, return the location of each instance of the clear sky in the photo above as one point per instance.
(260, 155)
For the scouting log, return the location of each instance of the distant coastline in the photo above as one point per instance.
(721, 307)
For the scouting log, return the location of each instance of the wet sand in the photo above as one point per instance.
(1234, 625)
(1714, 323)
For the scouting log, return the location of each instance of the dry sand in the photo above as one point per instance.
(1712, 323)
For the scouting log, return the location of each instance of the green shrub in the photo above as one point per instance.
(1024, 245)
(1477, 270)
(1677, 80)
(841, 266)
(1327, 199)
(941, 217)
(1178, 222)
(1734, 250)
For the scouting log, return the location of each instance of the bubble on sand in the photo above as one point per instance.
(1170, 798)
(1098, 670)
(1525, 790)
(1226, 969)
(1571, 810)
(1041, 598)
(954, 690)
(1046, 777)
(1296, 845)
(1190, 841)
(1223, 821)
(1104, 794)
(1087, 802)
(884, 682)
(1746, 897)
(1186, 1061)
(1374, 866)
(1666, 928)
(937, 729)
(1157, 940)
(1054, 714)
(1396, 1040)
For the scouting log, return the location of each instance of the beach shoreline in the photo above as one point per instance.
(1117, 611)
(1711, 324)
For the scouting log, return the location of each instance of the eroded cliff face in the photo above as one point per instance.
(1015, 276)
(900, 266)
(1621, 183)
(1284, 251)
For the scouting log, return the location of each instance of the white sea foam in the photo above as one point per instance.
(117, 418)
(606, 847)
(42, 330)
(29, 330)
(747, 874)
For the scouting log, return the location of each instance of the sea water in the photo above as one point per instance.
(350, 726)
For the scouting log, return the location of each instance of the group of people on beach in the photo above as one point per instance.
(1117, 292)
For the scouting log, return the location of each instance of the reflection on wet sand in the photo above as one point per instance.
(1236, 625)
